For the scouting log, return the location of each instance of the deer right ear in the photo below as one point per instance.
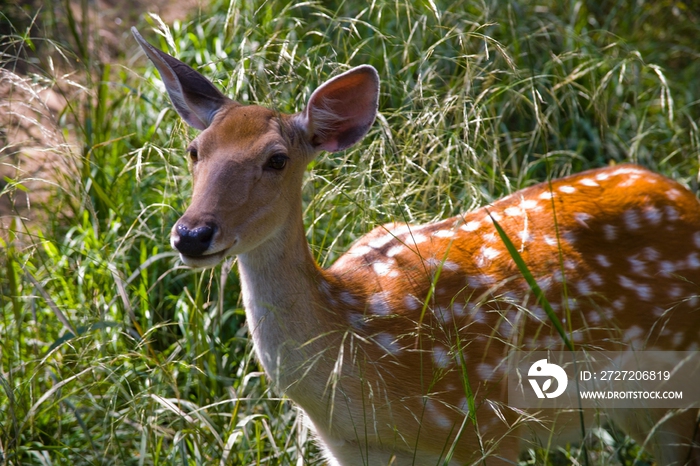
(341, 111)
(194, 97)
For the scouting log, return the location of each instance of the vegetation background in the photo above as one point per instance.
(111, 352)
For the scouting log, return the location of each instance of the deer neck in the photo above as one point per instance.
(286, 317)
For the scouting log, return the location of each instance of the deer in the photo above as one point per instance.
(397, 353)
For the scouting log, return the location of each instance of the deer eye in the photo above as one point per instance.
(194, 157)
(277, 162)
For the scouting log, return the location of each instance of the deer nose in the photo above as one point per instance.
(193, 241)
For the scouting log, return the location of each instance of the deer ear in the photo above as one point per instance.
(341, 111)
(195, 98)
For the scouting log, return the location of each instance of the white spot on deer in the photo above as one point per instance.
(633, 333)
(538, 313)
(463, 406)
(608, 313)
(402, 229)
(637, 266)
(629, 181)
(628, 171)
(360, 251)
(558, 276)
(550, 341)
(544, 283)
(479, 281)
(477, 314)
(489, 237)
(602, 176)
(619, 303)
(489, 252)
(382, 268)
(378, 243)
(434, 263)
(667, 268)
(569, 237)
(356, 320)
(546, 195)
(529, 204)
(441, 358)
(610, 232)
(644, 291)
(652, 215)
(513, 211)
(671, 213)
(493, 216)
(675, 292)
(550, 240)
(567, 189)
(444, 234)
(581, 218)
(471, 226)
(525, 236)
(486, 371)
(631, 219)
(379, 304)
(412, 303)
(650, 254)
(595, 278)
(458, 310)
(673, 194)
(348, 299)
(416, 238)
(395, 250)
(693, 261)
(450, 266)
(583, 287)
(677, 339)
(389, 343)
(626, 282)
(588, 182)
(593, 317)
(435, 414)
(443, 314)
(696, 239)
(507, 324)
(324, 287)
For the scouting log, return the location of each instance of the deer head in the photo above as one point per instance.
(248, 162)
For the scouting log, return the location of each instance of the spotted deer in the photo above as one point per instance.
(389, 350)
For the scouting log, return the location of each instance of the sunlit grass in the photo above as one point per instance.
(112, 353)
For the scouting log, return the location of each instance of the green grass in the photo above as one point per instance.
(112, 353)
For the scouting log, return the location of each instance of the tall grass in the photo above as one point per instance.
(112, 353)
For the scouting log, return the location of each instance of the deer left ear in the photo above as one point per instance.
(195, 98)
(341, 111)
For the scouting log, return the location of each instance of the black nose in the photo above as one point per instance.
(193, 242)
